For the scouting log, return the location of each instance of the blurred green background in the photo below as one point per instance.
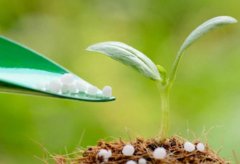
(204, 101)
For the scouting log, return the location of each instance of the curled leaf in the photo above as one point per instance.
(128, 56)
(205, 28)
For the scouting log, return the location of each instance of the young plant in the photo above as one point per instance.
(137, 60)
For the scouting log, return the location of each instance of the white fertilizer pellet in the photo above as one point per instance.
(65, 88)
(131, 162)
(54, 86)
(105, 154)
(142, 161)
(160, 153)
(107, 91)
(41, 86)
(109, 154)
(80, 87)
(70, 88)
(189, 147)
(200, 147)
(102, 153)
(70, 84)
(128, 150)
(92, 90)
(67, 78)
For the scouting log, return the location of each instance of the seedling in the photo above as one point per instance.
(137, 60)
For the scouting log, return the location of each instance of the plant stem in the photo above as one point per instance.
(164, 91)
(173, 72)
(165, 110)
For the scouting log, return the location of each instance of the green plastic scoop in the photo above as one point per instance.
(23, 70)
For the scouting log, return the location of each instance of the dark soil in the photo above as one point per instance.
(144, 148)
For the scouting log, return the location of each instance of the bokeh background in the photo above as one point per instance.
(205, 101)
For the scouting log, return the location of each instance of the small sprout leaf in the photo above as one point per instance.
(163, 73)
(205, 28)
(128, 56)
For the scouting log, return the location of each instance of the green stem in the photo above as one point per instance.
(165, 90)
(173, 72)
(165, 111)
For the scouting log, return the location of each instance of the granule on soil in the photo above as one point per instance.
(144, 149)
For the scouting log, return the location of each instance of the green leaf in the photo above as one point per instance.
(128, 56)
(163, 72)
(22, 70)
(205, 28)
(196, 34)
